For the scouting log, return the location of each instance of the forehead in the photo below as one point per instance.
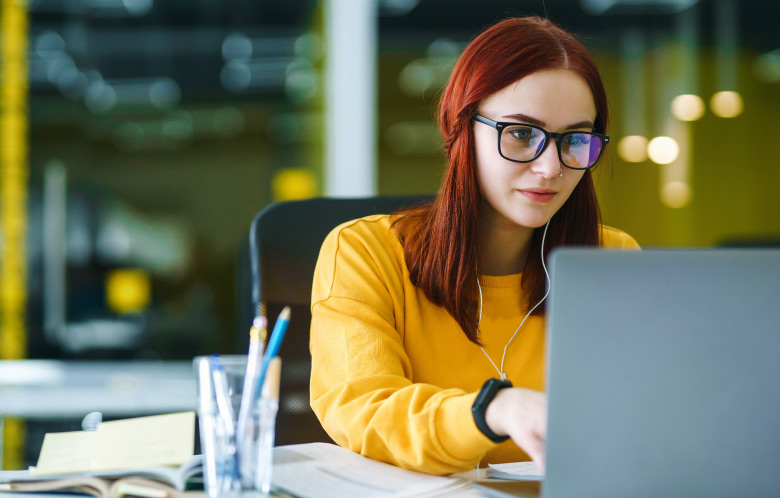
(556, 97)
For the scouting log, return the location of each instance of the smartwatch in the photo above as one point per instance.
(485, 396)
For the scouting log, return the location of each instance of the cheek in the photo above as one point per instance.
(572, 180)
(493, 176)
(491, 167)
(486, 161)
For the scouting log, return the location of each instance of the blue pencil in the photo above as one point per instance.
(274, 343)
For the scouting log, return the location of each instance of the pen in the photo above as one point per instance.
(208, 426)
(244, 431)
(268, 405)
(222, 393)
(274, 343)
(225, 411)
(257, 336)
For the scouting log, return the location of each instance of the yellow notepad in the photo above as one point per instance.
(131, 443)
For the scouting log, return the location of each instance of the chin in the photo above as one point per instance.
(526, 222)
(513, 215)
(537, 224)
(531, 220)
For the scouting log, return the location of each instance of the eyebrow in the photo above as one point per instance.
(531, 120)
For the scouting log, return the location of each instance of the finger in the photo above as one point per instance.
(538, 452)
(534, 447)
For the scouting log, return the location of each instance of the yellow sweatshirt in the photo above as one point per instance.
(393, 375)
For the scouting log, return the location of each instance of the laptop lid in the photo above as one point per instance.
(663, 373)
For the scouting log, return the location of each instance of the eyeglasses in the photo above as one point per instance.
(522, 143)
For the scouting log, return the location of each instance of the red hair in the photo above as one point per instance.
(441, 240)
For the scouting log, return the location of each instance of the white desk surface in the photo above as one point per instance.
(50, 389)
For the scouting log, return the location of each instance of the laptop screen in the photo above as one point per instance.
(663, 373)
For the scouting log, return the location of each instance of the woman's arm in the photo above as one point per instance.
(361, 385)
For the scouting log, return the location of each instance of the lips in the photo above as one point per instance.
(539, 194)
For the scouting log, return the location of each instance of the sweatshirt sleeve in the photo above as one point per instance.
(361, 384)
(613, 238)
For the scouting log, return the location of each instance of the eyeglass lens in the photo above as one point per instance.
(524, 143)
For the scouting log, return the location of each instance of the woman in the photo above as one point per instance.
(413, 314)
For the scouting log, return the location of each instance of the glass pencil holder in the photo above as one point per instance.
(237, 455)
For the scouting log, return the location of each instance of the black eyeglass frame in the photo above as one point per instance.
(501, 125)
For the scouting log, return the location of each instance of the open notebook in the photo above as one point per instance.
(144, 456)
(146, 481)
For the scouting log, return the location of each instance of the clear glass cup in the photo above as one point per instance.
(234, 464)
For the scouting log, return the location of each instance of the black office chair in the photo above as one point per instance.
(286, 238)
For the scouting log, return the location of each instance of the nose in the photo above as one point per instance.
(548, 164)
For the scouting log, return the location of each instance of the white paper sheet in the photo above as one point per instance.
(321, 470)
(516, 471)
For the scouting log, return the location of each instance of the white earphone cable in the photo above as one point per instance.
(479, 287)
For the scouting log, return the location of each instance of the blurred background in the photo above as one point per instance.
(140, 138)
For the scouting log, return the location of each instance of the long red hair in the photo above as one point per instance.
(441, 240)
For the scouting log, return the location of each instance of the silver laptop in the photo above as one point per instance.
(664, 374)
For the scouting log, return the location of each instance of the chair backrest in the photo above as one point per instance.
(286, 238)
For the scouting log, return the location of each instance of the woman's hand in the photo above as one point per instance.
(522, 415)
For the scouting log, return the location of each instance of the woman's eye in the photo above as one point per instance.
(579, 139)
(521, 133)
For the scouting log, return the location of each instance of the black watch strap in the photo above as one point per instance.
(478, 409)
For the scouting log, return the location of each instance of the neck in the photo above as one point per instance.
(504, 247)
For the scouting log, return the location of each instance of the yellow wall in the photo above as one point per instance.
(734, 170)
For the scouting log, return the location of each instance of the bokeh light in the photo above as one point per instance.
(128, 290)
(663, 150)
(688, 107)
(676, 194)
(726, 104)
(633, 148)
(293, 184)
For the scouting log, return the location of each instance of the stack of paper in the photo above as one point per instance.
(321, 470)
(516, 471)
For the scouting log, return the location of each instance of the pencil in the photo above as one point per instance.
(274, 343)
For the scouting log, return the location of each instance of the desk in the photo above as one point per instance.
(317, 483)
(46, 389)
